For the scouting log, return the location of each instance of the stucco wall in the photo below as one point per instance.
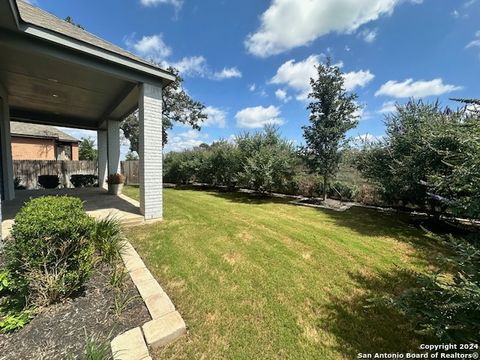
(32, 149)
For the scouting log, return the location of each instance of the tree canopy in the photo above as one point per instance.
(178, 107)
(332, 114)
(87, 150)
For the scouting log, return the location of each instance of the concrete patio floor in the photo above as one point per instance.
(98, 203)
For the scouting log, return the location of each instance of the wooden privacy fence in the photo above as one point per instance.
(130, 169)
(28, 171)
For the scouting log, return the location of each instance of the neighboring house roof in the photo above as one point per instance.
(39, 131)
(36, 16)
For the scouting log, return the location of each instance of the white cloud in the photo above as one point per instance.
(258, 116)
(417, 89)
(153, 48)
(176, 3)
(355, 79)
(388, 107)
(297, 75)
(252, 87)
(287, 24)
(475, 42)
(185, 140)
(190, 66)
(149, 47)
(216, 117)
(227, 73)
(369, 35)
(282, 95)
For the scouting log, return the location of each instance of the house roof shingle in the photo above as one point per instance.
(39, 131)
(38, 17)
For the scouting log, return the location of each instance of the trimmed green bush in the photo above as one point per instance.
(50, 255)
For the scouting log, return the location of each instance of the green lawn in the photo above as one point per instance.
(261, 279)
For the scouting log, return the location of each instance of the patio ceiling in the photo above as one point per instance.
(49, 90)
(57, 74)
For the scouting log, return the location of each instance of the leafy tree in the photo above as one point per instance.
(177, 107)
(457, 144)
(268, 161)
(86, 149)
(131, 156)
(428, 158)
(224, 163)
(332, 114)
(445, 304)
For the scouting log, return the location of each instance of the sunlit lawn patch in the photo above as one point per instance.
(260, 278)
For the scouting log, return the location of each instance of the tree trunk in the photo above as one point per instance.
(325, 187)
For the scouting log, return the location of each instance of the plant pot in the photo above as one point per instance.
(115, 189)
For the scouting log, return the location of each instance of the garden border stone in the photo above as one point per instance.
(166, 325)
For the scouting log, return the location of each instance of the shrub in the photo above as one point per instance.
(50, 255)
(116, 178)
(49, 181)
(84, 180)
(446, 307)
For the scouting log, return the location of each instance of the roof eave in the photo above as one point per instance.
(90, 49)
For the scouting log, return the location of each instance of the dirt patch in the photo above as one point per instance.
(232, 257)
(59, 332)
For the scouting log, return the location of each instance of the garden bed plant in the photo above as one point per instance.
(63, 289)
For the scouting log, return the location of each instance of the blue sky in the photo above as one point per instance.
(250, 62)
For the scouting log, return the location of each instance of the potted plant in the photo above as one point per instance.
(115, 183)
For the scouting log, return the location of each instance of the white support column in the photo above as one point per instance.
(150, 151)
(6, 148)
(113, 141)
(102, 143)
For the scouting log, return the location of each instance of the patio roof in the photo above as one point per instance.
(56, 73)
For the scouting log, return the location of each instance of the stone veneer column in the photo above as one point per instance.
(150, 151)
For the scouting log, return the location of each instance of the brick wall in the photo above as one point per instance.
(74, 152)
(32, 149)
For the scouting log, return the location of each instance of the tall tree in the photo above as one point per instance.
(177, 107)
(86, 149)
(332, 114)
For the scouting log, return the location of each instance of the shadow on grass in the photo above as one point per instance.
(364, 323)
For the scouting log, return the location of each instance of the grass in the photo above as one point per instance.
(259, 278)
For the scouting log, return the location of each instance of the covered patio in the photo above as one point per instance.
(97, 202)
(55, 73)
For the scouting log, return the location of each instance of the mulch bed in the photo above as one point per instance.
(60, 331)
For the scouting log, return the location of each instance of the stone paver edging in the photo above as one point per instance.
(166, 325)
